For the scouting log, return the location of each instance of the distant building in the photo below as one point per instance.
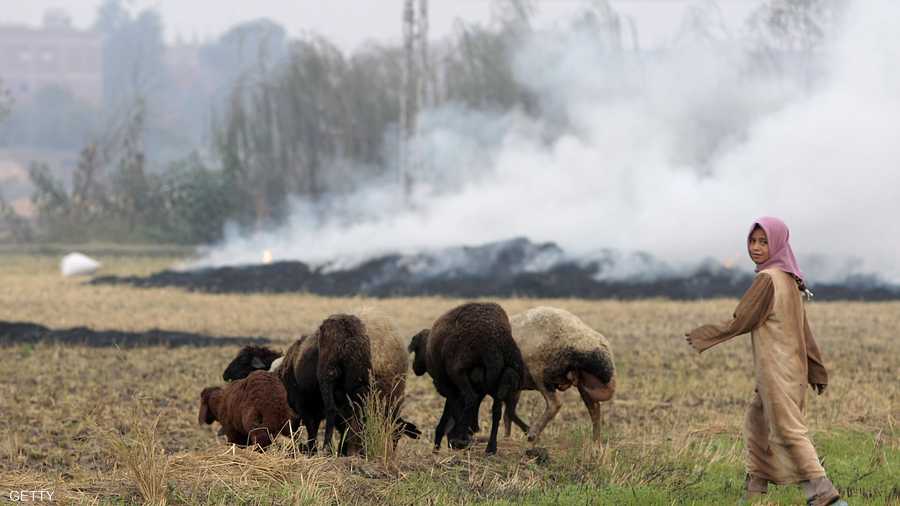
(55, 54)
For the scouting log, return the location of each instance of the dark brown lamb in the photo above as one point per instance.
(252, 411)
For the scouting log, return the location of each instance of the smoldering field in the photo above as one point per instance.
(114, 425)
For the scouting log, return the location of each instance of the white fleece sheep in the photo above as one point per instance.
(390, 361)
(560, 351)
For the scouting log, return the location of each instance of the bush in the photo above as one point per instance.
(197, 202)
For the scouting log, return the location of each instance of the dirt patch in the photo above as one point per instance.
(32, 333)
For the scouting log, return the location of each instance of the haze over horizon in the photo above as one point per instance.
(674, 155)
(379, 20)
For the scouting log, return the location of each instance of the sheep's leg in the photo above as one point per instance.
(510, 415)
(553, 405)
(236, 437)
(442, 425)
(476, 376)
(475, 427)
(326, 387)
(507, 421)
(292, 425)
(470, 401)
(593, 408)
(312, 432)
(343, 429)
(496, 413)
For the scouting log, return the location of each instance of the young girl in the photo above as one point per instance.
(785, 359)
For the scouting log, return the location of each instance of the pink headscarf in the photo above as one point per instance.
(780, 253)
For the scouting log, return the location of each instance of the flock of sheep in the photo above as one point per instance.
(472, 351)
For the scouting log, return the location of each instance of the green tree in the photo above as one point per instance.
(197, 202)
(291, 130)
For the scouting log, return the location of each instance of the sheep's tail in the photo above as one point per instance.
(510, 383)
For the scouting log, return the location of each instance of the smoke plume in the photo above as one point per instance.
(672, 153)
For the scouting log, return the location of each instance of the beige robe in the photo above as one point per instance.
(786, 358)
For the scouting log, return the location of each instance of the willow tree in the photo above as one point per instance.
(311, 126)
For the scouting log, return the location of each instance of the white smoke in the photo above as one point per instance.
(672, 153)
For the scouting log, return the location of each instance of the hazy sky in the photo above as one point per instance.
(350, 22)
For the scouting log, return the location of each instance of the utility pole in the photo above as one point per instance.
(408, 98)
(425, 97)
(415, 92)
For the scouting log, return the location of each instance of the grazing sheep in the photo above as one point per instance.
(345, 360)
(560, 351)
(298, 374)
(470, 353)
(252, 410)
(251, 358)
(390, 363)
(389, 367)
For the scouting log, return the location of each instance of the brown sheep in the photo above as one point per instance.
(253, 410)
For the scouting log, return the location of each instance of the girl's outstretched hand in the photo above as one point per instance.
(690, 341)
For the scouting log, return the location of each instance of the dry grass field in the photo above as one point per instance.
(119, 426)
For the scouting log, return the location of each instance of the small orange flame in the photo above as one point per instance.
(730, 263)
(267, 256)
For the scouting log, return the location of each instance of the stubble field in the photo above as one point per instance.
(119, 425)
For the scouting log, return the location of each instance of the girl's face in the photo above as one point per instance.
(758, 246)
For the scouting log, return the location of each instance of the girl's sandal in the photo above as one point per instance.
(832, 498)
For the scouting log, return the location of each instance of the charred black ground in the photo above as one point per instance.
(511, 268)
(32, 333)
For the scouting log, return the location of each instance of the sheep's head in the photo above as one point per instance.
(591, 371)
(592, 387)
(249, 359)
(596, 376)
(207, 396)
(418, 346)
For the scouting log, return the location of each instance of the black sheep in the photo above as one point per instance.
(470, 353)
(345, 361)
(250, 358)
(298, 374)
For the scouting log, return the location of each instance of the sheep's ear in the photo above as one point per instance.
(257, 363)
(205, 414)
